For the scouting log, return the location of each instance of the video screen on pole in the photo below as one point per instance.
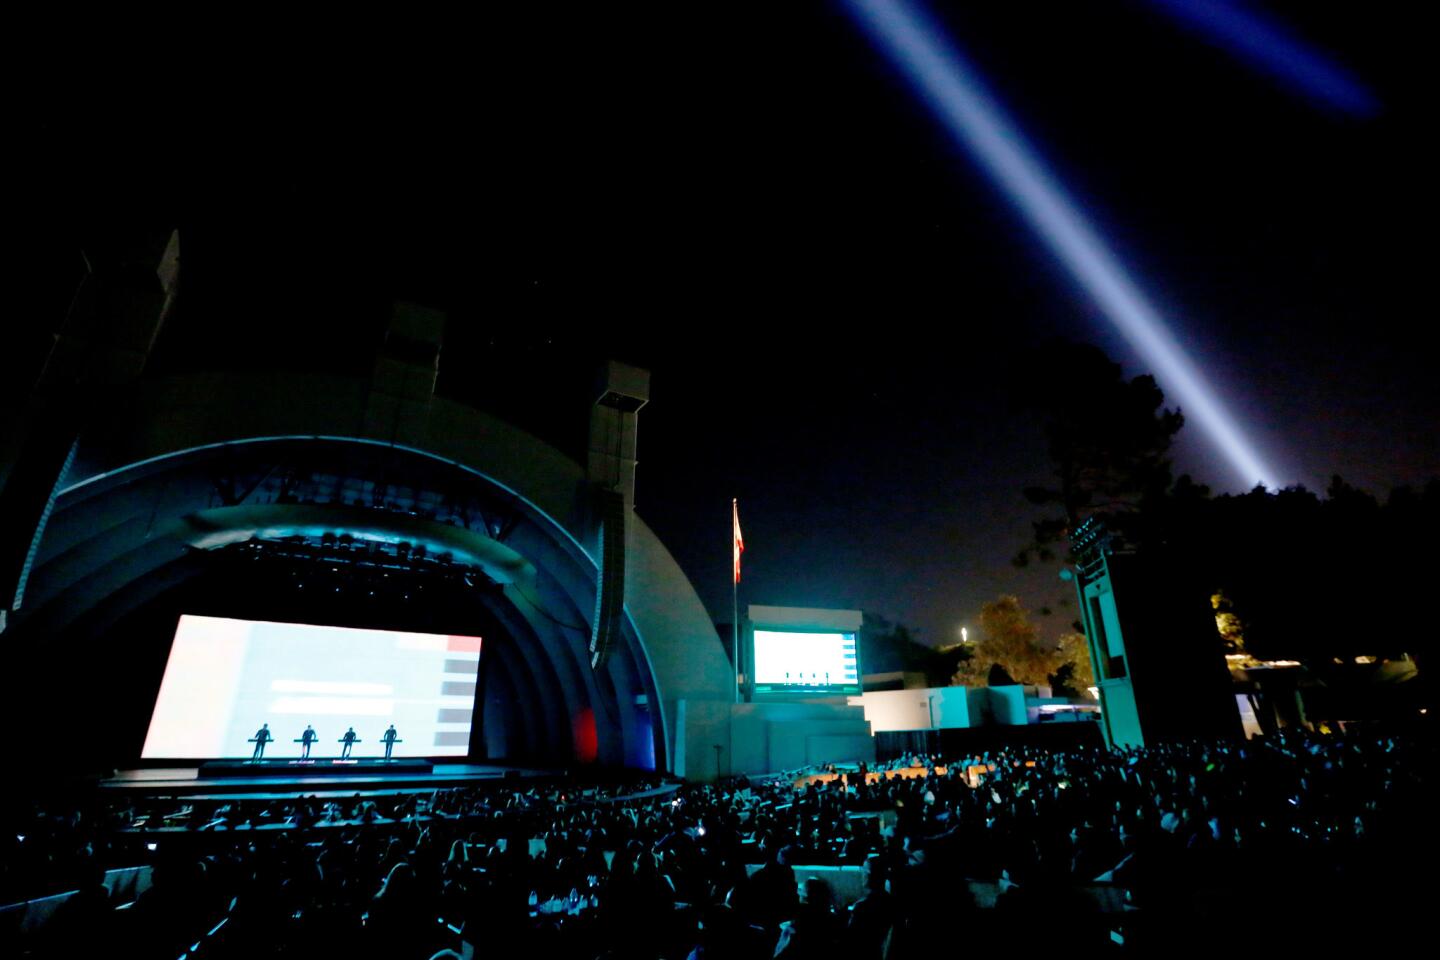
(798, 661)
(225, 678)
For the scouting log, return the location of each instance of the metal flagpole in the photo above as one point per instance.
(735, 593)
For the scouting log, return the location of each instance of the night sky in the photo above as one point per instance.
(746, 199)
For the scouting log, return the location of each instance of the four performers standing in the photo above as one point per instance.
(309, 738)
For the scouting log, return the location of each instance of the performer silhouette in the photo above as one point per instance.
(389, 740)
(262, 737)
(348, 742)
(306, 739)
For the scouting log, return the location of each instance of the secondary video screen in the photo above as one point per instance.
(800, 660)
(225, 678)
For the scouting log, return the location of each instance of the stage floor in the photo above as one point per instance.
(187, 781)
(322, 767)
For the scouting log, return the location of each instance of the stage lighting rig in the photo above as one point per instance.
(330, 557)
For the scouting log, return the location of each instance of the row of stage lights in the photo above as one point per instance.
(347, 565)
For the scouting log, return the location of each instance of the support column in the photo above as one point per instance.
(610, 470)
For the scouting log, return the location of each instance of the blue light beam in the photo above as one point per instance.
(951, 88)
(1268, 47)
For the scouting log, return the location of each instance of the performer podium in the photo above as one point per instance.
(342, 765)
(293, 767)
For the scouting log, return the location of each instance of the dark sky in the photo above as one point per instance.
(836, 306)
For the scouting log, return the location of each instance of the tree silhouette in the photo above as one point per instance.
(1291, 574)
(1108, 440)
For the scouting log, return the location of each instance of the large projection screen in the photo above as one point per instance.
(225, 678)
(799, 661)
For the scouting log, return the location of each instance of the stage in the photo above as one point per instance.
(315, 767)
(285, 779)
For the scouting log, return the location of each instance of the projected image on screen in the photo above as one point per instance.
(225, 678)
(799, 660)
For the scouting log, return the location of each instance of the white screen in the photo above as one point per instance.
(806, 659)
(225, 678)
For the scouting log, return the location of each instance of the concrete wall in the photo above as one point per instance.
(805, 618)
(769, 737)
(684, 650)
(697, 728)
(927, 708)
(947, 708)
(1007, 705)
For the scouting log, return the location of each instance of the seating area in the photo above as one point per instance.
(1297, 840)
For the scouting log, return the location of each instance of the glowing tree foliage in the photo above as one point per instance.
(1009, 640)
(1075, 671)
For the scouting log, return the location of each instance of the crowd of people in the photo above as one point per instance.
(1297, 840)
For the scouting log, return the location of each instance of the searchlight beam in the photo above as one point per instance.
(949, 85)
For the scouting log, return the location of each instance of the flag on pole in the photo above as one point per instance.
(739, 540)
